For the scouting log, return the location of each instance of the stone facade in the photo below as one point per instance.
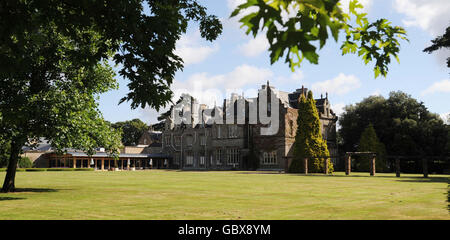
(228, 146)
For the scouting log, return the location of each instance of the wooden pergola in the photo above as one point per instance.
(348, 161)
(348, 157)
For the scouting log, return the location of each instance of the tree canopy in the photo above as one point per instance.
(403, 124)
(297, 27)
(55, 61)
(131, 130)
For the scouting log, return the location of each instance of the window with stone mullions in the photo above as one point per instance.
(270, 158)
(232, 156)
(219, 156)
(202, 160)
(189, 159)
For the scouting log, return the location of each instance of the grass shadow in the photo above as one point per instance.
(424, 180)
(401, 178)
(37, 190)
(9, 198)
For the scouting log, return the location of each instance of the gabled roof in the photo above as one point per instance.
(42, 146)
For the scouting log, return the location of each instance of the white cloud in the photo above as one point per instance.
(432, 16)
(445, 117)
(255, 46)
(338, 108)
(210, 88)
(295, 78)
(232, 5)
(376, 93)
(441, 86)
(297, 75)
(190, 49)
(441, 56)
(340, 85)
(150, 115)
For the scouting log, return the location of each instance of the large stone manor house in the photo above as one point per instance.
(200, 145)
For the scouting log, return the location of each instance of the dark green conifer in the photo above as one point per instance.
(369, 143)
(308, 139)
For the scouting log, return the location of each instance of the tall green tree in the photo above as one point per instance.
(131, 131)
(297, 27)
(309, 142)
(369, 142)
(55, 58)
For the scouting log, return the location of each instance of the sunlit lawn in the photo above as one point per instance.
(159, 194)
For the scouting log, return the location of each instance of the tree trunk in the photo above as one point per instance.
(8, 184)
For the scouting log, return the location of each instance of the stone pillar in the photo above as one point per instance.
(103, 164)
(348, 164)
(372, 165)
(326, 165)
(74, 162)
(397, 167)
(305, 162)
(128, 164)
(425, 167)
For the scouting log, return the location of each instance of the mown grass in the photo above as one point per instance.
(159, 194)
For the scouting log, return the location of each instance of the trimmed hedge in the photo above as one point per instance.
(17, 170)
(50, 169)
(35, 169)
(60, 169)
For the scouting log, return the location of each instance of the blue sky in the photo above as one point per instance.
(239, 63)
